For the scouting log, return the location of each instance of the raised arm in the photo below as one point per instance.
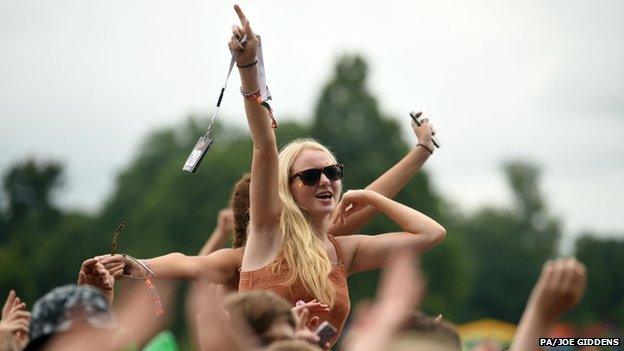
(221, 233)
(393, 180)
(559, 288)
(265, 205)
(366, 252)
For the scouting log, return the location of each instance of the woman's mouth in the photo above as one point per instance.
(325, 195)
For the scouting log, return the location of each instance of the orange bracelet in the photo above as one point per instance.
(257, 97)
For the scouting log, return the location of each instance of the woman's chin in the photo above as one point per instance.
(322, 209)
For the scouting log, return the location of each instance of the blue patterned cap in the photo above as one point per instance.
(58, 310)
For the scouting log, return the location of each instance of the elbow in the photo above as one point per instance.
(439, 234)
(436, 234)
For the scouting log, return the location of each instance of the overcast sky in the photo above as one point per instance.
(85, 81)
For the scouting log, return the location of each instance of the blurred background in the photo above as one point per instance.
(102, 101)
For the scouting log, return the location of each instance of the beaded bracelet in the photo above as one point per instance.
(257, 97)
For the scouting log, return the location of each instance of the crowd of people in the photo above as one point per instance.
(283, 283)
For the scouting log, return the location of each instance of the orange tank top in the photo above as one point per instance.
(264, 279)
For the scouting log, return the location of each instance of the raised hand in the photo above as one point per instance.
(245, 53)
(123, 266)
(351, 202)
(15, 322)
(424, 132)
(225, 221)
(302, 332)
(559, 288)
(93, 273)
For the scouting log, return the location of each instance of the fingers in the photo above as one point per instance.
(303, 319)
(82, 278)
(338, 211)
(8, 303)
(21, 307)
(20, 325)
(244, 22)
(237, 33)
(314, 322)
(241, 14)
(105, 259)
(234, 45)
(116, 270)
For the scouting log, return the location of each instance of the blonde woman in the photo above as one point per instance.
(294, 198)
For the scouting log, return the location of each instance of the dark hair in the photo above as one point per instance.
(239, 203)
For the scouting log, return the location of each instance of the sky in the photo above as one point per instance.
(84, 82)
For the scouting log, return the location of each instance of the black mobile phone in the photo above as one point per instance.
(416, 118)
(325, 332)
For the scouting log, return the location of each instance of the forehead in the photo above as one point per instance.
(311, 158)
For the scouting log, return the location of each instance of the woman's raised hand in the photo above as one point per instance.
(351, 202)
(245, 53)
(424, 132)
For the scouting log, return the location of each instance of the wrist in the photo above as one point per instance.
(427, 147)
(373, 197)
(249, 78)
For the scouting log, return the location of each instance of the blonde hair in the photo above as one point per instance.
(302, 251)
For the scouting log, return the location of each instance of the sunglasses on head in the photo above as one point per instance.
(313, 175)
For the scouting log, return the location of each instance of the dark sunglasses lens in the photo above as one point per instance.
(310, 177)
(333, 172)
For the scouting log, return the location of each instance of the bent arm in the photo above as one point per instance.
(388, 185)
(217, 241)
(420, 233)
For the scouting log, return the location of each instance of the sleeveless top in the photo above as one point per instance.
(264, 279)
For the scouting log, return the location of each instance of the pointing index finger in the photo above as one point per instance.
(241, 15)
(244, 21)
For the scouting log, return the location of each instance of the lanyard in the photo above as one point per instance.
(201, 147)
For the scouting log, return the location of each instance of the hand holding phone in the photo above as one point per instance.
(417, 118)
(325, 332)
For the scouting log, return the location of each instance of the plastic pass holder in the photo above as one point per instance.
(197, 155)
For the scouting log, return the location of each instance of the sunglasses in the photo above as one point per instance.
(313, 175)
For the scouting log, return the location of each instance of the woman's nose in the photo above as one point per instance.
(323, 180)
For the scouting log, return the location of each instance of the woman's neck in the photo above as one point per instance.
(320, 225)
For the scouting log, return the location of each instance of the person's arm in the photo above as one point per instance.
(420, 233)
(401, 289)
(392, 181)
(559, 288)
(221, 233)
(264, 202)
(219, 266)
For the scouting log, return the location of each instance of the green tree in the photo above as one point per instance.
(604, 259)
(348, 120)
(509, 247)
(28, 187)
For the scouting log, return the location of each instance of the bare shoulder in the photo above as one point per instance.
(348, 246)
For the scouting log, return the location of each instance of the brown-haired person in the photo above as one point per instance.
(269, 317)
